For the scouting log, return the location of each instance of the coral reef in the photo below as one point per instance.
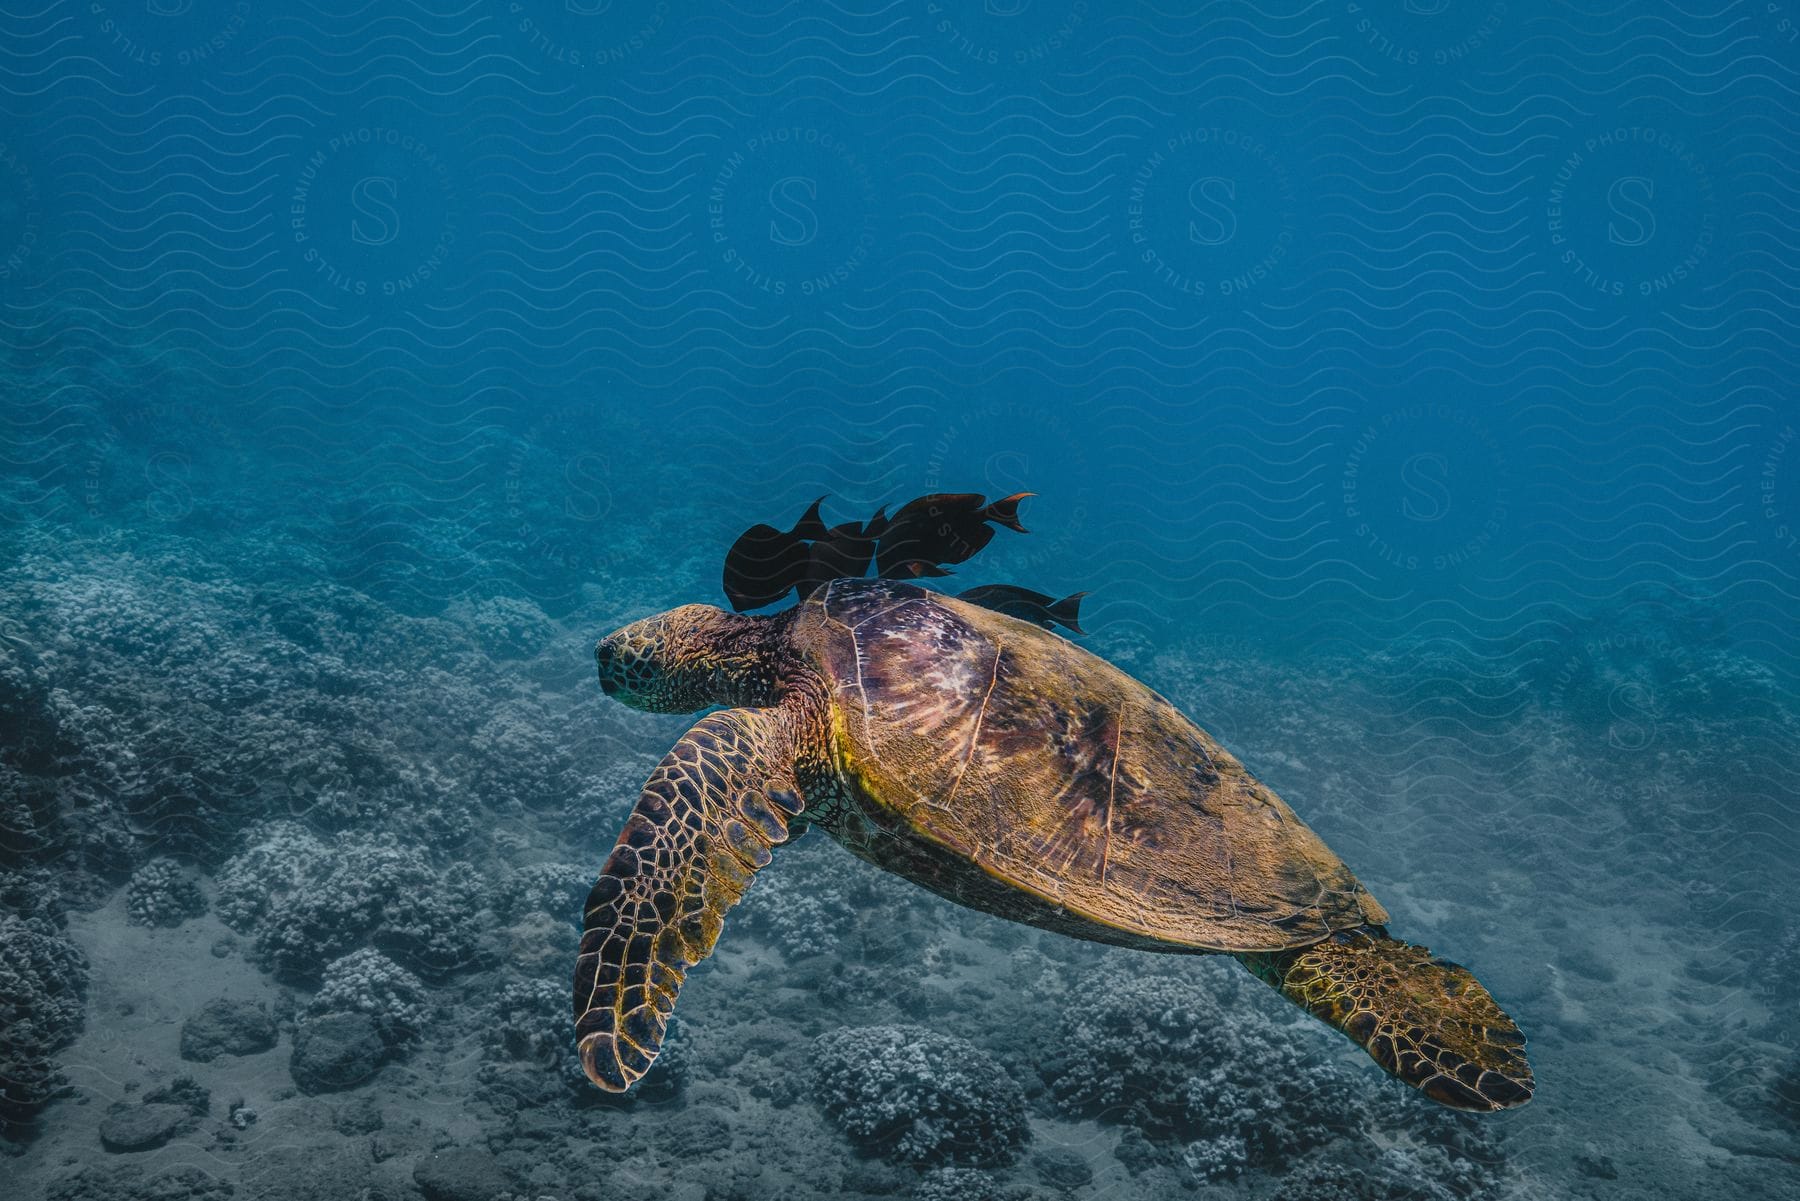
(1389, 1174)
(1274, 1095)
(43, 993)
(529, 1021)
(1194, 1058)
(518, 760)
(1216, 1156)
(185, 1182)
(918, 1096)
(1228, 1080)
(1779, 978)
(143, 1127)
(559, 889)
(1328, 1180)
(389, 805)
(957, 1184)
(310, 903)
(360, 1116)
(27, 814)
(1783, 1092)
(30, 892)
(162, 893)
(293, 698)
(598, 806)
(1128, 1047)
(508, 627)
(816, 899)
(277, 857)
(793, 914)
(528, 1044)
(370, 983)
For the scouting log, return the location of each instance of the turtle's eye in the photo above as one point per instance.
(669, 663)
(626, 672)
(633, 665)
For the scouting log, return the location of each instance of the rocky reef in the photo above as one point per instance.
(307, 902)
(43, 998)
(161, 893)
(918, 1096)
(334, 879)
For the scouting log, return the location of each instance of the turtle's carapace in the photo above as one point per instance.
(1006, 769)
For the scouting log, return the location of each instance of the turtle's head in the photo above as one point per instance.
(689, 658)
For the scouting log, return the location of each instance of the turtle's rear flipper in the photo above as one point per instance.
(705, 823)
(1424, 1019)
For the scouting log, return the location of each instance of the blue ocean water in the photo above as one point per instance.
(1410, 385)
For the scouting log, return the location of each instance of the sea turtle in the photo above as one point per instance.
(1007, 769)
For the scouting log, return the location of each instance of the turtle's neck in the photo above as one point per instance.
(754, 655)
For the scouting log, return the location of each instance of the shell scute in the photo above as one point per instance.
(1055, 772)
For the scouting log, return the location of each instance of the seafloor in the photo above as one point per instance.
(291, 883)
(303, 785)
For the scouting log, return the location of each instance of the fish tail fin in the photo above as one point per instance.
(810, 526)
(1068, 611)
(1426, 1020)
(1006, 511)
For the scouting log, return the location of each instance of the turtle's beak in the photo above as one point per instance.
(606, 657)
(671, 662)
(630, 667)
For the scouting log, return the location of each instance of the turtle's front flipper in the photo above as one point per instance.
(705, 822)
(1425, 1019)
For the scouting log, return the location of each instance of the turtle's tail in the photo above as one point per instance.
(1424, 1019)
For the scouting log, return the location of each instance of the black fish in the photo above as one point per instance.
(1027, 605)
(765, 562)
(843, 552)
(944, 527)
